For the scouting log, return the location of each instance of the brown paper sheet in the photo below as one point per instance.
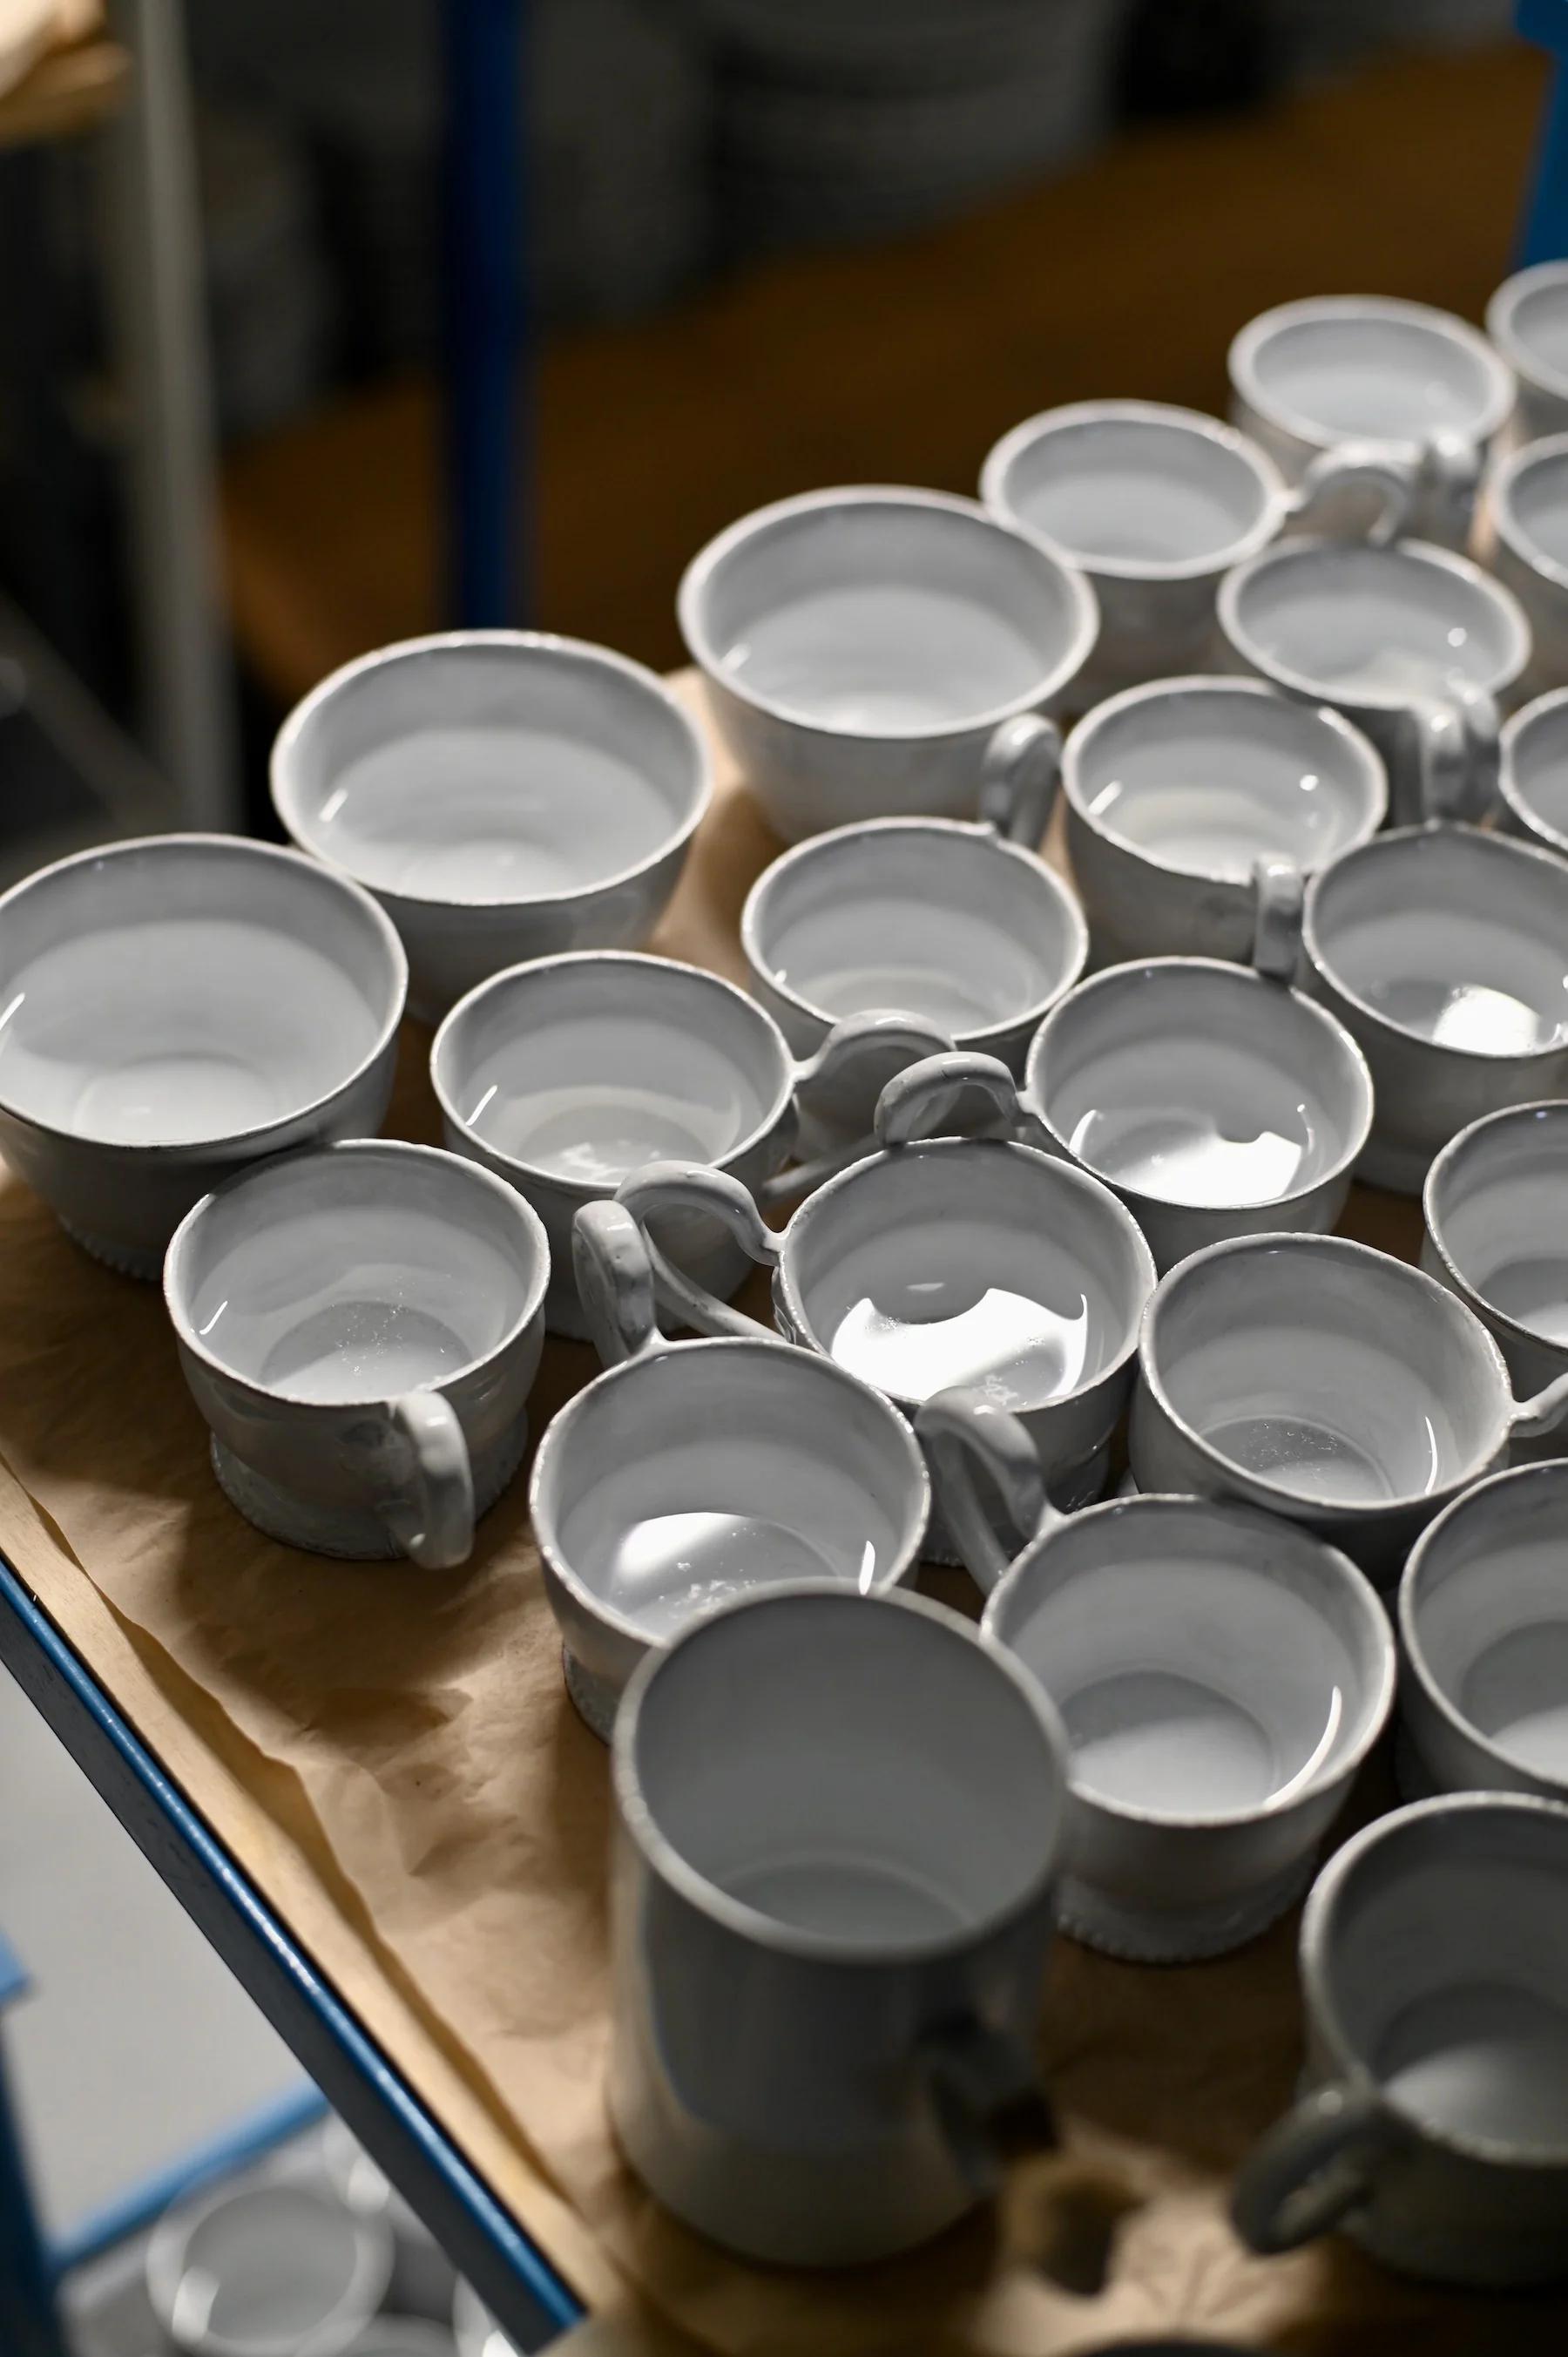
(392, 1758)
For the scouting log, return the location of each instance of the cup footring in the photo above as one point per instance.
(1081, 1485)
(1143, 1935)
(130, 1260)
(341, 1531)
(595, 1699)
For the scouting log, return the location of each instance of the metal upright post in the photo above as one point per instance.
(29, 2326)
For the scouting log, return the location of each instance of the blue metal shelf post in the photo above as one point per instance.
(29, 2323)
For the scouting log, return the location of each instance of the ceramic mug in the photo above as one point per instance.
(1433, 2125)
(838, 1818)
(1495, 1202)
(1532, 777)
(1321, 1380)
(422, 2273)
(691, 1472)
(1412, 643)
(360, 1328)
(177, 1007)
(868, 653)
(1483, 1624)
(1220, 1675)
(565, 1075)
(1153, 505)
(1175, 791)
(505, 795)
(1527, 320)
(474, 2329)
(266, 2270)
(1415, 383)
(1521, 534)
(1442, 950)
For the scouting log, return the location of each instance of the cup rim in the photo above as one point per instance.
(244, 847)
(1505, 521)
(1003, 455)
(169, 2243)
(767, 1931)
(1241, 361)
(1409, 1601)
(1121, 977)
(1424, 554)
(285, 796)
(511, 977)
(1092, 1188)
(692, 596)
(1442, 1166)
(396, 1149)
(1501, 309)
(1316, 1953)
(754, 911)
(1390, 844)
(1362, 752)
(1308, 1501)
(1528, 818)
(1352, 1583)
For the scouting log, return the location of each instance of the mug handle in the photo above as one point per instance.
(963, 1431)
(1360, 464)
(855, 1040)
(1457, 753)
(1532, 1419)
(1311, 2168)
(1450, 474)
(987, 2096)
(693, 1186)
(919, 1101)
(431, 1515)
(1279, 895)
(614, 1284)
(1019, 776)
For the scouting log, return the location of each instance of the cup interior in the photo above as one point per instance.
(1208, 1664)
(820, 1710)
(1498, 1204)
(497, 768)
(883, 616)
(269, 2270)
(969, 1262)
(717, 1468)
(184, 989)
(938, 921)
(1140, 490)
(1532, 317)
(1533, 496)
(1207, 780)
(1536, 763)
(355, 1273)
(1445, 1971)
(1191, 1082)
(1327, 1372)
(1453, 935)
(1378, 626)
(1390, 375)
(585, 1068)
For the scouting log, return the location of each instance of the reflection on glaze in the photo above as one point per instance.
(600, 1131)
(1205, 826)
(363, 1348)
(1469, 1014)
(1018, 1352)
(1487, 2058)
(1152, 1739)
(1179, 1153)
(1317, 1458)
(847, 1897)
(664, 1569)
(886, 654)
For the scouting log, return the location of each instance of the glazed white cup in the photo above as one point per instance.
(1220, 1675)
(689, 1473)
(1322, 1380)
(360, 1327)
(1443, 949)
(1527, 320)
(1414, 383)
(1483, 1622)
(838, 1816)
(505, 795)
(1153, 505)
(1412, 643)
(868, 652)
(1495, 1202)
(422, 2273)
(1532, 779)
(1175, 791)
(1433, 2125)
(266, 2270)
(1521, 535)
(474, 2329)
(565, 1075)
(177, 1007)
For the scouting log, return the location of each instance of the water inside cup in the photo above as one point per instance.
(886, 654)
(1482, 2058)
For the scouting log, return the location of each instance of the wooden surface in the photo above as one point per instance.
(896, 365)
(73, 87)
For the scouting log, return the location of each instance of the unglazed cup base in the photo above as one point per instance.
(351, 1537)
(1139, 1935)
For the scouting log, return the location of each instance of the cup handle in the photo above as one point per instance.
(1360, 464)
(964, 1432)
(432, 1518)
(1457, 753)
(1311, 2168)
(614, 1283)
(988, 2098)
(920, 1102)
(1532, 1419)
(1279, 893)
(1450, 475)
(858, 1038)
(693, 1187)
(1019, 776)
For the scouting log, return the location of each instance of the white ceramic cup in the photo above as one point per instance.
(1444, 951)
(1527, 320)
(1412, 643)
(565, 1075)
(1495, 1202)
(1433, 2125)
(505, 795)
(266, 2270)
(690, 1473)
(422, 2273)
(174, 1008)
(868, 651)
(1325, 1382)
(1532, 777)
(360, 1328)
(1215, 1101)
(1521, 534)
(404, 2336)
(1175, 791)
(1153, 505)
(1220, 1675)
(1415, 383)
(838, 1820)
(474, 2329)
